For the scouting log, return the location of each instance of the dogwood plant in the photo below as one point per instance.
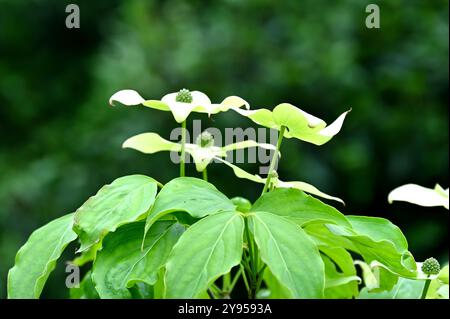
(140, 238)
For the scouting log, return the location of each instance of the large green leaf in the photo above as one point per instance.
(123, 201)
(337, 284)
(191, 195)
(121, 263)
(276, 289)
(37, 258)
(323, 237)
(290, 255)
(377, 239)
(376, 277)
(404, 289)
(207, 250)
(341, 278)
(298, 207)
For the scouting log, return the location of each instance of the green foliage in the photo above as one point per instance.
(37, 258)
(186, 194)
(121, 263)
(124, 200)
(302, 244)
(208, 249)
(396, 82)
(299, 207)
(288, 244)
(290, 255)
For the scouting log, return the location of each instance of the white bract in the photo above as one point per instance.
(276, 183)
(420, 195)
(180, 110)
(297, 122)
(150, 143)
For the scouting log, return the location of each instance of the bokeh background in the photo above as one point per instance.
(60, 141)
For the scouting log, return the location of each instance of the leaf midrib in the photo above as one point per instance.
(212, 250)
(278, 248)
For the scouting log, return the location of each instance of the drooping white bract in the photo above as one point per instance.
(305, 187)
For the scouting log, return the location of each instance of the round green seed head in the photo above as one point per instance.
(431, 266)
(184, 96)
(205, 139)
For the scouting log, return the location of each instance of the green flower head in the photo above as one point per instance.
(184, 96)
(431, 266)
(205, 139)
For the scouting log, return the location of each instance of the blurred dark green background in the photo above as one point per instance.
(60, 141)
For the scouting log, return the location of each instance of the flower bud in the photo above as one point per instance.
(431, 266)
(184, 96)
(205, 139)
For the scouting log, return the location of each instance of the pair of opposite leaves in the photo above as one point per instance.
(298, 124)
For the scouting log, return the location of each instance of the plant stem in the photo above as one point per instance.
(252, 262)
(235, 279)
(425, 288)
(274, 159)
(183, 151)
(226, 279)
(205, 175)
(249, 243)
(211, 293)
(244, 276)
(260, 277)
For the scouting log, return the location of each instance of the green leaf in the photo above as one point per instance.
(290, 254)
(377, 239)
(323, 237)
(123, 201)
(87, 255)
(339, 285)
(37, 258)
(191, 195)
(342, 283)
(439, 288)
(299, 124)
(277, 290)
(86, 289)
(207, 250)
(298, 207)
(121, 263)
(404, 289)
(377, 278)
(443, 274)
